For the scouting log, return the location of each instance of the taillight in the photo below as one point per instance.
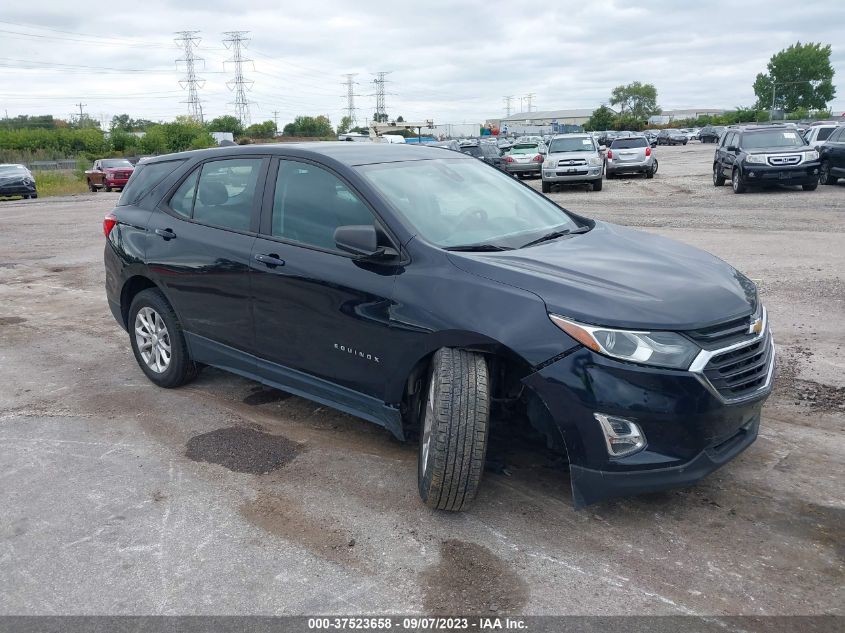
(538, 158)
(508, 159)
(648, 151)
(108, 223)
(610, 153)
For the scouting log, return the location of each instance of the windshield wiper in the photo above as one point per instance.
(477, 248)
(556, 234)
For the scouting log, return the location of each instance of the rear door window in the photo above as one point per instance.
(226, 193)
(824, 133)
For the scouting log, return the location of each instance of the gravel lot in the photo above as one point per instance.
(225, 497)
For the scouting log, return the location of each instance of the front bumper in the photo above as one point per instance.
(17, 189)
(689, 429)
(577, 173)
(117, 183)
(806, 173)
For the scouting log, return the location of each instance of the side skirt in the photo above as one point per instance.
(204, 350)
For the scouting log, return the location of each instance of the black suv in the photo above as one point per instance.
(765, 155)
(483, 150)
(832, 157)
(430, 294)
(711, 133)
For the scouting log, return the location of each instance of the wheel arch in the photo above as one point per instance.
(130, 289)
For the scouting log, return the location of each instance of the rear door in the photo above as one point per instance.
(200, 247)
(836, 152)
(317, 309)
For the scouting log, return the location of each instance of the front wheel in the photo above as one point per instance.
(597, 184)
(736, 182)
(547, 187)
(718, 178)
(158, 341)
(92, 187)
(811, 187)
(825, 176)
(107, 187)
(455, 423)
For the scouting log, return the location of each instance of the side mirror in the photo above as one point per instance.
(361, 240)
(732, 148)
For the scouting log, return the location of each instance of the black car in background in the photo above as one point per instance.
(671, 137)
(486, 151)
(426, 292)
(711, 133)
(17, 180)
(765, 155)
(832, 157)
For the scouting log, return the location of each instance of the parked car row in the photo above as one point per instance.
(758, 155)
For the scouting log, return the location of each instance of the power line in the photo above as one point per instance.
(381, 108)
(189, 41)
(350, 97)
(236, 41)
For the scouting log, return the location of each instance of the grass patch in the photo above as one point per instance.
(59, 183)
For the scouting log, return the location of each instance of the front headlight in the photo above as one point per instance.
(595, 161)
(549, 163)
(756, 158)
(811, 155)
(661, 349)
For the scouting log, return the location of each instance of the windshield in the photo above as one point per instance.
(772, 138)
(525, 149)
(574, 144)
(111, 164)
(629, 143)
(472, 150)
(13, 169)
(458, 202)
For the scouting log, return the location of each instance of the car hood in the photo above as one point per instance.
(9, 179)
(620, 277)
(778, 150)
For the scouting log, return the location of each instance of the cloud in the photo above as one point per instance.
(450, 61)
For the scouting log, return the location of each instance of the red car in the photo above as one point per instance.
(109, 173)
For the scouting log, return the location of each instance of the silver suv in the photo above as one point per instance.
(631, 155)
(571, 159)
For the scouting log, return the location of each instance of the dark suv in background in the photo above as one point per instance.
(433, 295)
(765, 155)
(832, 157)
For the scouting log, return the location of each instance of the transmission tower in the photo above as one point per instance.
(350, 97)
(528, 99)
(188, 40)
(381, 109)
(508, 99)
(236, 40)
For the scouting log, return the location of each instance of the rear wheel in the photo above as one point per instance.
(158, 341)
(811, 187)
(597, 184)
(736, 182)
(649, 173)
(718, 178)
(455, 422)
(547, 187)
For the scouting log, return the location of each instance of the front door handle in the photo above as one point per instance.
(167, 234)
(272, 260)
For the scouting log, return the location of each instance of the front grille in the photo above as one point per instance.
(572, 173)
(722, 334)
(741, 371)
(790, 159)
(571, 162)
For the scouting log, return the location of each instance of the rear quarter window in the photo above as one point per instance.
(145, 177)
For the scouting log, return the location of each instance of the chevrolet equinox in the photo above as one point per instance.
(423, 291)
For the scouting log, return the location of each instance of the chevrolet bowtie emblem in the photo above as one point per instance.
(756, 326)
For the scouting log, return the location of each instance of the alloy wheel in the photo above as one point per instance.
(153, 339)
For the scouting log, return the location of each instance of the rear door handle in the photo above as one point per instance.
(272, 260)
(167, 234)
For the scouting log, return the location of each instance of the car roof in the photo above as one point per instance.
(573, 135)
(340, 151)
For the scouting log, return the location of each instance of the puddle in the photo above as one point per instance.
(265, 395)
(470, 579)
(4, 320)
(243, 450)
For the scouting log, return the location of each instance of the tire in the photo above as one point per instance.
(649, 173)
(718, 178)
(156, 310)
(547, 187)
(92, 187)
(455, 423)
(825, 177)
(810, 187)
(106, 187)
(34, 196)
(609, 175)
(654, 169)
(597, 184)
(736, 182)
(25, 197)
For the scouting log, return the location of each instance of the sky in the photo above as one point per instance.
(449, 61)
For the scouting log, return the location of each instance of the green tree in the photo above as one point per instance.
(602, 118)
(309, 126)
(261, 130)
(344, 125)
(637, 99)
(226, 123)
(800, 76)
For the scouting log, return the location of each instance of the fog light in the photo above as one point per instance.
(622, 437)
